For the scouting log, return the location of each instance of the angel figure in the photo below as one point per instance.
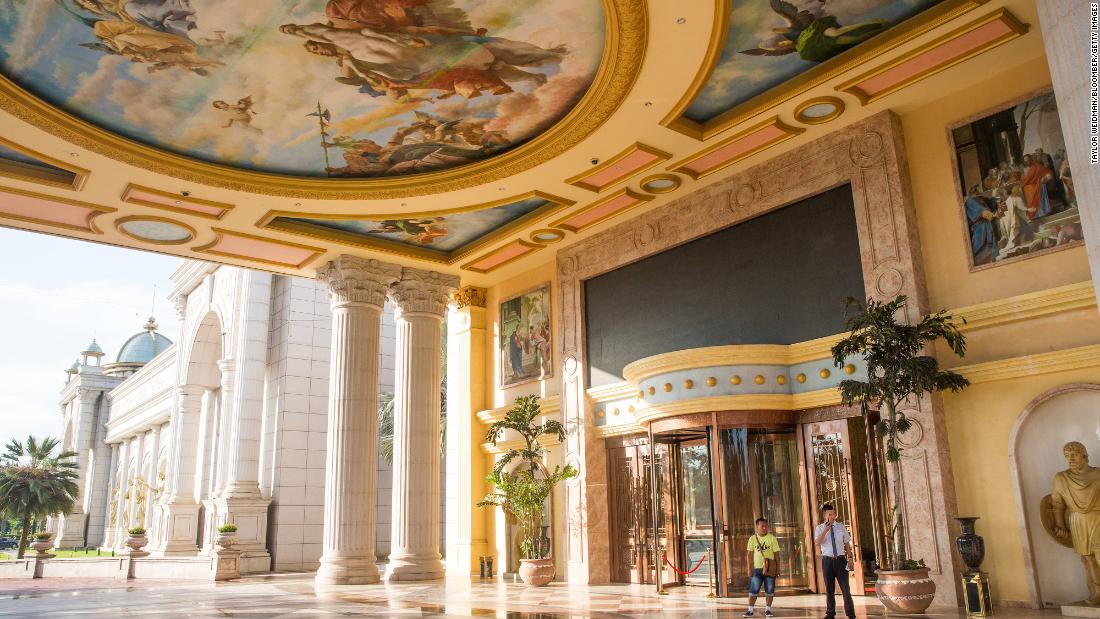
(815, 35)
(240, 113)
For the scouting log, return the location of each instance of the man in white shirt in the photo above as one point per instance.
(835, 543)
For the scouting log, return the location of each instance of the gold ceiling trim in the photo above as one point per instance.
(672, 178)
(33, 174)
(674, 119)
(127, 196)
(220, 234)
(1016, 29)
(278, 221)
(123, 231)
(625, 40)
(639, 199)
(96, 211)
(774, 97)
(579, 179)
(800, 110)
(531, 247)
(788, 133)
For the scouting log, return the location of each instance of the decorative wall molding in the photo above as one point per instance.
(1032, 365)
(1027, 306)
(550, 406)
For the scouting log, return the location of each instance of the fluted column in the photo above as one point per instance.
(357, 291)
(179, 512)
(421, 298)
(244, 469)
(228, 369)
(71, 526)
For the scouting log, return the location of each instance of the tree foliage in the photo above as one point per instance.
(898, 373)
(524, 493)
(35, 483)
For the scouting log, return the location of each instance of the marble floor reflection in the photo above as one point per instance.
(293, 596)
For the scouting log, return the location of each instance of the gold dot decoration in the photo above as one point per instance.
(849, 369)
(630, 409)
(759, 379)
(615, 412)
(735, 380)
(599, 413)
(667, 387)
(712, 381)
(641, 394)
(781, 379)
(652, 390)
(800, 378)
(825, 373)
(689, 384)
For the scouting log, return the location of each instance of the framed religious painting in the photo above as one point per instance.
(1015, 182)
(525, 337)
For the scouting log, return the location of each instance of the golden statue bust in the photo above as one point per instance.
(1071, 513)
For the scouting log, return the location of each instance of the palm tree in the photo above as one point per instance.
(36, 483)
(385, 423)
(897, 372)
(523, 494)
(521, 420)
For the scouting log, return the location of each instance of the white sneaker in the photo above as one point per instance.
(749, 613)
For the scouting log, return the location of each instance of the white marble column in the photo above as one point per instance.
(467, 537)
(421, 298)
(1066, 28)
(357, 291)
(110, 510)
(228, 369)
(251, 353)
(71, 526)
(179, 512)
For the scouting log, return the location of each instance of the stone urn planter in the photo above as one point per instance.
(226, 540)
(536, 572)
(970, 545)
(136, 542)
(905, 591)
(42, 546)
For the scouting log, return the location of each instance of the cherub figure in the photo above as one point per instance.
(240, 113)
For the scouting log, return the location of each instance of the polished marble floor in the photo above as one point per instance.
(293, 596)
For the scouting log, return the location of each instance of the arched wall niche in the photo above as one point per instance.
(1060, 415)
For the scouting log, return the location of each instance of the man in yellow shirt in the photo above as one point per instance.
(762, 545)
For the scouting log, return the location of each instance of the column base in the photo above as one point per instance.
(346, 571)
(177, 530)
(250, 516)
(70, 530)
(414, 568)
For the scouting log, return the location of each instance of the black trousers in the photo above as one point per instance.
(835, 570)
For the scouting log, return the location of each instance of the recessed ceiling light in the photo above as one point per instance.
(661, 183)
(649, 104)
(547, 235)
(682, 20)
(74, 154)
(297, 204)
(819, 110)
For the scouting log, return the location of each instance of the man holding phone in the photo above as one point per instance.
(835, 543)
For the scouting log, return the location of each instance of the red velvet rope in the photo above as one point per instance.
(697, 566)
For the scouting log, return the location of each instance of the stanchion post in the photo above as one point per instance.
(712, 575)
(660, 570)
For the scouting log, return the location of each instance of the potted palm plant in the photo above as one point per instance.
(35, 483)
(898, 373)
(523, 493)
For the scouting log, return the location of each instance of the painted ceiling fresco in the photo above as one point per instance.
(445, 233)
(771, 41)
(340, 88)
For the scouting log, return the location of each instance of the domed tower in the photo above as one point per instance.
(138, 350)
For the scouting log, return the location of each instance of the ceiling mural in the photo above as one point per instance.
(442, 233)
(338, 88)
(770, 41)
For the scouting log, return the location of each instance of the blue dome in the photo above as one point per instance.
(142, 347)
(94, 347)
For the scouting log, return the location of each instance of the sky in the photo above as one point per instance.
(56, 294)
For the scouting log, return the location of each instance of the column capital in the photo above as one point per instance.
(190, 392)
(358, 280)
(421, 291)
(470, 296)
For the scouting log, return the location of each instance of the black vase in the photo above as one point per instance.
(971, 545)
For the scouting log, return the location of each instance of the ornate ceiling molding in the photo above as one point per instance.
(625, 43)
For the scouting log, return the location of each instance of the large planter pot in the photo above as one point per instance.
(135, 543)
(970, 545)
(536, 572)
(905, 591)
